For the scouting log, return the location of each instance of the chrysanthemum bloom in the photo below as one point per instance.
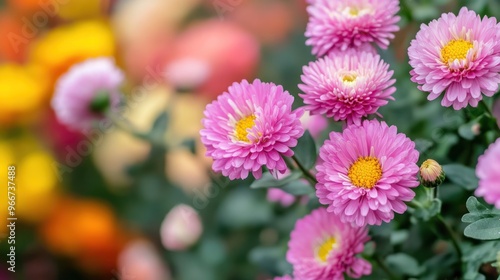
(459, 55)
(431, 174)
(181, 228)
(250, 126)
(489, 178)
(367, 173)
(86, 91)
(344, 24)
(285, 277)
(347, 85)
(322, 247)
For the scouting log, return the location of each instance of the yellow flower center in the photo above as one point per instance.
(455, 49)
(242, 126)
(353, 11)
(325, 249)
(365, 172)
(349, 78)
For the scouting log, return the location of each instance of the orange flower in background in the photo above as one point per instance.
(64, 46)
(25, 7)
(86, 231)
(23, 92)
(14, 43)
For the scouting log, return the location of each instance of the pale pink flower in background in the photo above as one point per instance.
(347, 86)
(230, 52)
(139, 260)
(344, 24)
(322, 247)
(76, 90)
(181, 228)
(187, 73)
(487, 170)
(367, 172)
(314, 123)
(280, 196)
(250, 126)
(457, 55)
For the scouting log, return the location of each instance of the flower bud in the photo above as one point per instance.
(181, 228)
(431, 174)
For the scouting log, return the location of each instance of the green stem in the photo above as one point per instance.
(306, 172)
(128, 127)
(490, 113)
(488, 110)
(414, 204)
(384, 267)
(453, 238)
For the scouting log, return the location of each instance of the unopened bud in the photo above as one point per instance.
(431, 174)
(181, 228)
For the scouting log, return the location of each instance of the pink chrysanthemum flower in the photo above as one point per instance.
(489, 177)
(367, 173)
(347, 86)
(250, 126)
(280, 196)
(459, 55)
(285, 277)
(343, 24)
(87, 90)
(322, 247)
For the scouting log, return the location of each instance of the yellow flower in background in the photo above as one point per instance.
(35, 178)
(81, 9)
(23, 91)
(64, 46)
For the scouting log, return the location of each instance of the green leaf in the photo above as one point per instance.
(268, 181)
(404, 264)
(461, 175)
(159, 126)
(305, 151)
(428, 211)
(298, 187)
(475, 256)
(266, 257)
(466, 130)
(478, 211)
(485, 229)
(243, 207)
(190, 144)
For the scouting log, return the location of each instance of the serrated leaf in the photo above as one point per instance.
(485, 229)
(268, 181)
(461, 175)
(478, 211)
(305, 151)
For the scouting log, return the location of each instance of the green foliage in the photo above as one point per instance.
(305, 151)
(485, 222)
(461, 175)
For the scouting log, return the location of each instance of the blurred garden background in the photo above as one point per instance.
(94, 205)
